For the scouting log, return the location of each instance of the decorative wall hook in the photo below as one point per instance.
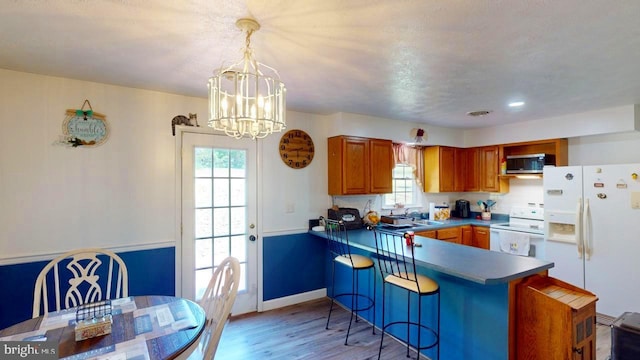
(84, 127)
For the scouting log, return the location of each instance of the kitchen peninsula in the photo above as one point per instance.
(478, 307)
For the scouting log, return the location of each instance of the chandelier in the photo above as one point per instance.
(244, 100)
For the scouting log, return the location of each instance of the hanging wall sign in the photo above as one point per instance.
(84, 127)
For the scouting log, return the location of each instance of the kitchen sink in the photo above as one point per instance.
(426, 222)
(396, 219)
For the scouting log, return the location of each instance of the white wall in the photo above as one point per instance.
(122, 193)
(56, 198)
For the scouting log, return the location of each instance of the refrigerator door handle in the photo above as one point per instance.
(587, 235)
(578, 228)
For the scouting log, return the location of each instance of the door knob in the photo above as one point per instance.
(252, 238)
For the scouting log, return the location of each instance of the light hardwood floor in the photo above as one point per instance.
(298, 332)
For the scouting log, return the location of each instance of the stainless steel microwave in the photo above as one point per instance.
(529, 164)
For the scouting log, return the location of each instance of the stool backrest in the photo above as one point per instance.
(338, 238)
(395, 258)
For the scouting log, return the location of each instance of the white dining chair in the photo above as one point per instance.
(79, 277)
(217, 302)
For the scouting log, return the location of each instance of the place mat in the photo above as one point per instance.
(164, 319)
(135, 349)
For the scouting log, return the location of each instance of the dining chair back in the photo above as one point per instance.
(79, 277)
(217, 302)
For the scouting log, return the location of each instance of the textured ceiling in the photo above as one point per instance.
(428, 61)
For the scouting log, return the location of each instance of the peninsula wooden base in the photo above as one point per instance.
(555, 320)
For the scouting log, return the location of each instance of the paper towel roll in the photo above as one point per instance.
(432, 211)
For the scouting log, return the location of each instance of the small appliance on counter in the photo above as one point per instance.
(462, 209)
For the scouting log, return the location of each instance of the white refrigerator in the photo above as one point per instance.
(592, 231)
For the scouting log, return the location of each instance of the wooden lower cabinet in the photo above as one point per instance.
(480, 237)
(469, 235)
(555, 320)
(453, 234)
(429, 233)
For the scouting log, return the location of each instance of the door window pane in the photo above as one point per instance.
(203, 253)
(221, 249)
(203, 223)
(221, 163)
(203, 192)
(238, 220)
(238, 163)
(221, 187)
(239, 247)
(238, 192)
(203, 162)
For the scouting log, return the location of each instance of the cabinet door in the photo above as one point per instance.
(453, 235)
(459, 171)
(467, 235)
(481, 237)
(355, 166)
(348, 165)
(429, 233)
(382, 164)
(490, 167)
(447, 169)
(471, 169)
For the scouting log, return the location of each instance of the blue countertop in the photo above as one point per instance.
(465, 262)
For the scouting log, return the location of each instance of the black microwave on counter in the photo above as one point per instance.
(529, 164)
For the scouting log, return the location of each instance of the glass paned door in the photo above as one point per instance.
(218, 209)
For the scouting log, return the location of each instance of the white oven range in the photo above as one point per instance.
(525, 226)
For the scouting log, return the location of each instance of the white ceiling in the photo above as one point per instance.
(427, 61)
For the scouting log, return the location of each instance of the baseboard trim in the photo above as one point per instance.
(293, 299)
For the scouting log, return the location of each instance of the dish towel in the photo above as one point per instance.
(515, 243)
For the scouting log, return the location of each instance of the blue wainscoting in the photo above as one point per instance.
(293, 264)
(474, 319)
(151, 272)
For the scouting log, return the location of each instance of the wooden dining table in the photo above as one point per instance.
(143, 327)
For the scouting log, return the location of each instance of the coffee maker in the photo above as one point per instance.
(462, 209)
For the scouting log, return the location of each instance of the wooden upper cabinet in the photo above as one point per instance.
(381, 164)
(442, 169)
(557, 147)
(490, 170)
(359, 165)
(471, 169)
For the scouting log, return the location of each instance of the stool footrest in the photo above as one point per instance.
(432, 332)
(361, 296)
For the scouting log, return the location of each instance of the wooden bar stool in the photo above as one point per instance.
(398, 269)
(341, 253)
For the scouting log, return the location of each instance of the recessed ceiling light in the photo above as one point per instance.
(516, 104)
(479, 112)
